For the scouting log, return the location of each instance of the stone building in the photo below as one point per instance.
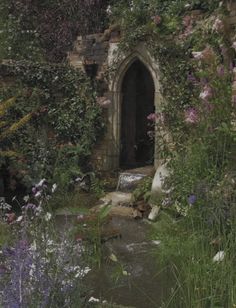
(129, 95)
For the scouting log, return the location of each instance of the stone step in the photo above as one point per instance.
(129, 179)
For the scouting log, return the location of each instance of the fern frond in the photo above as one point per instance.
(8, 154)
(16, 126)
(6, 104)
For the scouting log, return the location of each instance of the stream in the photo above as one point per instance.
(145, 285)
(129, 274)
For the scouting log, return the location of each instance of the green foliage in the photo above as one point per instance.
(187, 249)
(5, 234)
(67, 120)
(142, 192)
(202, 146)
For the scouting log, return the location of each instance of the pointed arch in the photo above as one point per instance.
(122, 65)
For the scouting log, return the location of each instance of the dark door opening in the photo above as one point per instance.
(137, 149)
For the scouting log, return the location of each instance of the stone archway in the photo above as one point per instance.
(142, 55)
(136, 148)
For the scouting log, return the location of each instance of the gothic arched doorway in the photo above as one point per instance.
(138, 92)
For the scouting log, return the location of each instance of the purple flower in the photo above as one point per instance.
(34, 190)
(191, 115)
(191, 78)
(192, 199)
(30, 206)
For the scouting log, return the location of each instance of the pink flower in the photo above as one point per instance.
(206, 93)
(152, 117)
(191, 115)
(218, 25)
(234, 45)
(103, 101)
(156, 19)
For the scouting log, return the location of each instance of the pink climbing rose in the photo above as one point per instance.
(191, 116)
(152, 117)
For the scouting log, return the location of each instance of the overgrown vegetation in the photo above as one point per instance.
(42, 30)
(63, 121)
(190, 41)
(49, 122)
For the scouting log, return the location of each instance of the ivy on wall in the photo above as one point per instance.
(190, 41)
(66, 120)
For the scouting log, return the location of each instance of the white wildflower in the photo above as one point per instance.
(26, 198)
(19, 219)
(40, 183)
(93, 300)
(38, 194)
(54, 187)
(48, 216)
(219, 257)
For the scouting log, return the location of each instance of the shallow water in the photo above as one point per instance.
(146, 285)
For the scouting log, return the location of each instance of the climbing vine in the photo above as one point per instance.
(191, 44)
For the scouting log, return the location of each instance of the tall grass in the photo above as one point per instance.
(188, 247)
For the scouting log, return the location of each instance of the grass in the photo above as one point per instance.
(188, 250)
(5, 234)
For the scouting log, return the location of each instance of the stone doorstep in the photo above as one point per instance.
(116, 198)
